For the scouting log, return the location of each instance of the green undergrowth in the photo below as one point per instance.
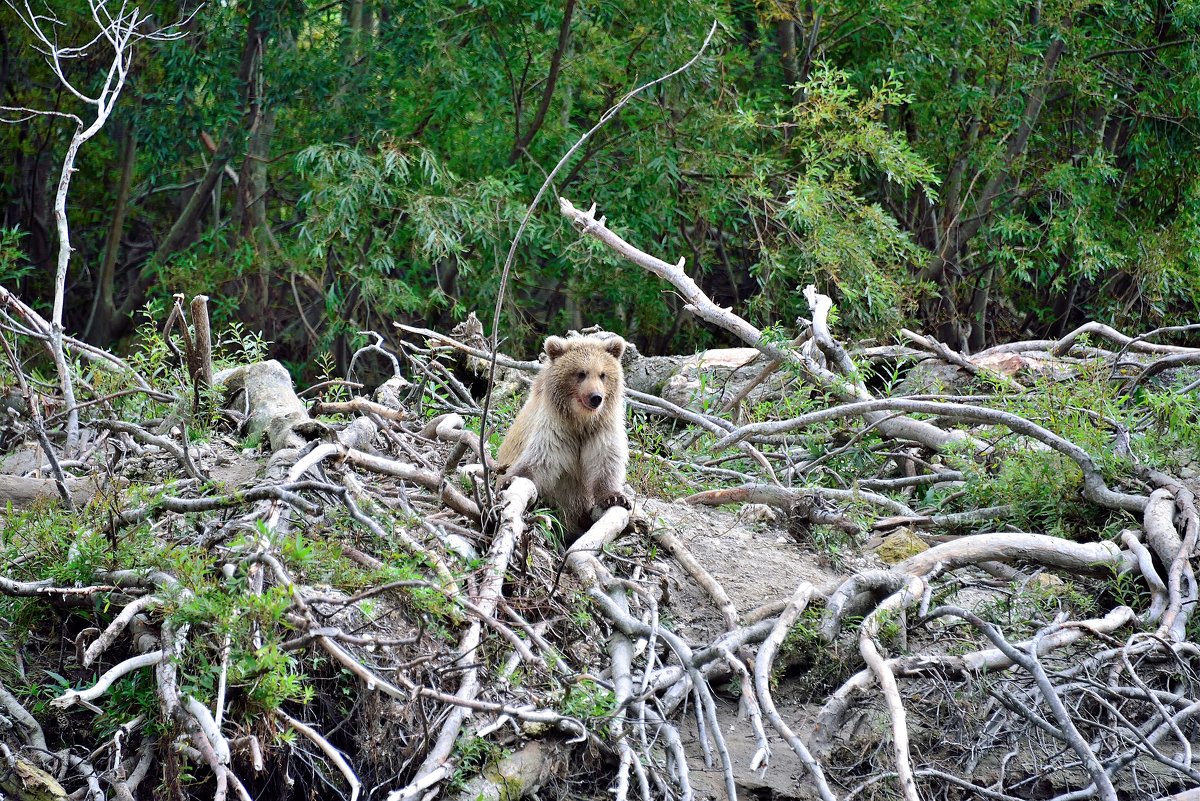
(156, 357)
(812, 667)
(471, 756)
(232, 630)
(1156, 425)
(1090, 410)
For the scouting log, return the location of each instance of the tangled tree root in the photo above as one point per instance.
(364, 615)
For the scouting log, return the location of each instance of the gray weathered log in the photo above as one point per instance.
(25, 492)
(275, 409)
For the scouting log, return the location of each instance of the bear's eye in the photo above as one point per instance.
(581, 375)
(603, 376)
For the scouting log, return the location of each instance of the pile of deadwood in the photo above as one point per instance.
(559, 666)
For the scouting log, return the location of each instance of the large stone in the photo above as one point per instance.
(1029, 365)
(24, 492)
(1009, 364)
(900, 545)
(931, 377)
(709, 380)
(650, 374)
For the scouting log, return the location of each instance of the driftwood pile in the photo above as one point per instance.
(450, 646)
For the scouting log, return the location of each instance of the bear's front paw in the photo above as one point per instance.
(505, 483)
(616, 499)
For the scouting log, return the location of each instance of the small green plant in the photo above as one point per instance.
(837, 545)
(891, 626)
(1025, 606)
(132, 696)
(815, 666)
(581, 613)
(326, 371)
(1167, 423)
(588, 701)
(471, 756)
(805, 633)
(248, 629)
(236, 344)
(1052, 595)
(653, 446)
(547, 524)
(1127, 590)
(14, 264)
(37, 695)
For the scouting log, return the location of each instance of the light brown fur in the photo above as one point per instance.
(569, 437)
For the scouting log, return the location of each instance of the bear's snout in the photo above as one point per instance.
(595, 399)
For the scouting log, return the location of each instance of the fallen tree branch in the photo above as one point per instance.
(868, 631)
(519, 495)
(1076, 557)
(944, 352)
(701, 305)
(1094, 487)
(328, 750)
(1028, 659)
(762, 682)
(785, 498)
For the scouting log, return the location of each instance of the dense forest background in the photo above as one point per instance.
(985, 169)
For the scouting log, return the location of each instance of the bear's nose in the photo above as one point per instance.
(595, 400)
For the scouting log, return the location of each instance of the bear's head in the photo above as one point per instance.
(584, 377)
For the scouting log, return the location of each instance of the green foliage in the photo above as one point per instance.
(13, 263)
(825, 231)
(397, 158)
(814, 667)
(805, 633)
(1129, 590)
(471, 755)
(1028, 605)
(836, 545)
(133, 695)
(159, 362)
(379, 207)
(1043, 489)
(1044, 486)
(48, 542)
(236, 631)
(264, 676)
(551, 529)
(588, 701)
(327, 371)
(37, 693)
(649, 438)
(1168, 425)
(217, 265)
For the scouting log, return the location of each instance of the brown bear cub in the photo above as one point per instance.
(569, 438)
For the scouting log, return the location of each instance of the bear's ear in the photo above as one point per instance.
(555, 347)
(616, 347)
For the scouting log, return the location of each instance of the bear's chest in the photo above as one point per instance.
(562, 458)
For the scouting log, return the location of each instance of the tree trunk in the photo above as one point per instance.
(944, 263)
(539, 117)
(978, 315)
(355, 18)
(104, 308)
(183, 230)
(785, 32)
